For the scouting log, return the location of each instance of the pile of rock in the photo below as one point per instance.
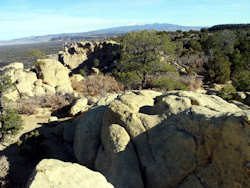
(180, 139)
(76, 53)
(49, 78)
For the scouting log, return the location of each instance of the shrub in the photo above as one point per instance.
(11, 121)
(241, 80)
(191, 82)
(26, 107)
(82, 72)
(168, 84)
(95, 85)
(57, 102)
(4, 167)
(227, 92)
(219, 69)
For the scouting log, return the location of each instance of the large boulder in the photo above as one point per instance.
(87, 136)
(76, 53)
(23, 79)
(117, 158)
(53, 73)
(179, 139)
(55, 173)
(80, 105)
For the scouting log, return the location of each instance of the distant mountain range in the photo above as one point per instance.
(98, 34)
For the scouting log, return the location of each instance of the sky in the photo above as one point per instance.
(24, 18)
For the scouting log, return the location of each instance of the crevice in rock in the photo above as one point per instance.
(141, 167)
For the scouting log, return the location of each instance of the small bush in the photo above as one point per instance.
(227, 92)
(4, 168)
(82, 72)
(192, 83)
(168, 84)
(100, 84)
(95, 85)
(57, 102)
(11, 120)
(26, 108)
(241, 80)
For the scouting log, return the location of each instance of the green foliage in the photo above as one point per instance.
(96, 62)
(11, 121)
(82, 72)
(168, 84)
(5, 83)
(241, 80)
(227, 92)
(35, 53)
(9, 118)
(219, 69)
(140, 56)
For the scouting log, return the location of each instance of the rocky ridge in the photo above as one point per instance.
(178, 139)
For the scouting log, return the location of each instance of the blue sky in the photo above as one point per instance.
(22, 18)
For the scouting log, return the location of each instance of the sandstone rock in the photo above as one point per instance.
(87, 136)
(76, 53)
(107, 99)
(53, 118)
(15, 65)
(12, 95)
(180, 139)
(24, 80)
(76, 78)
(95, 70)
(39, 82)
(218, 87)
(240, 96)
(64, 89)
(55, 173)
(240, 105)
(49, 90)
(117, 158)
(79, 106)
(54, 73)
(39, 91)
(92, 100)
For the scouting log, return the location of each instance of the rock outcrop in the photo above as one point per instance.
(54, 74)
(55, 173)
(77, 53)
(51, 78)
(180, 139)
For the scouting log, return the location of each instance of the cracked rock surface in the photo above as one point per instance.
(181, 139)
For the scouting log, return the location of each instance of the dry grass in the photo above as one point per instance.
(4, 168)
(57, 101)
(29, 106)
(191, 82)
(95, 85)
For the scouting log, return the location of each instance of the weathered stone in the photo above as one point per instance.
(76, 78)
(117, 158)
(54, 74)
(180, 139)
(107, 99)
(87, 136)
(79, 106)
(55, 173)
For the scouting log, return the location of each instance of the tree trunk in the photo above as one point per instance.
(144, 81)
